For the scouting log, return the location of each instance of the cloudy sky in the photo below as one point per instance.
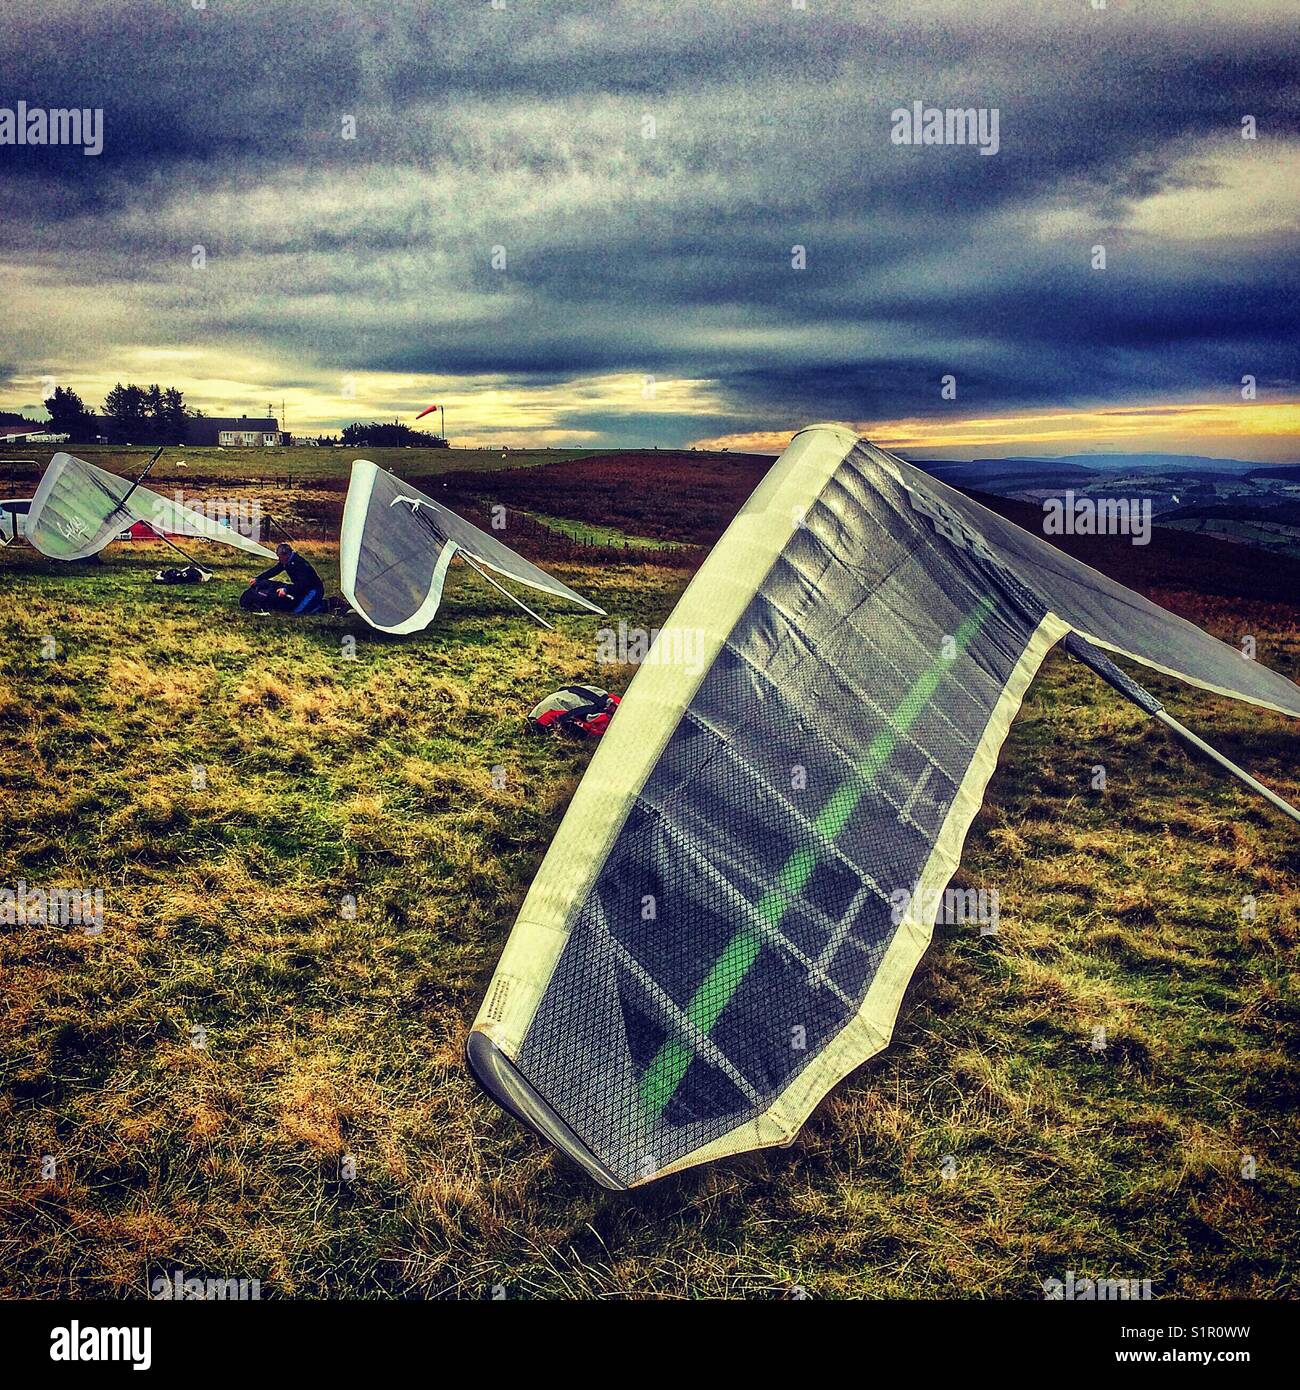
(576, 223)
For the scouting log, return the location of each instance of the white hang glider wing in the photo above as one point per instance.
(397, 544)
(792, 809)
(78, 509)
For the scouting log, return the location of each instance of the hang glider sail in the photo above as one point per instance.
(78, 509)
(397, 545)
(748, 874)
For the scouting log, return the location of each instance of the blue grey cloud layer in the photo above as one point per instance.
(525, 128)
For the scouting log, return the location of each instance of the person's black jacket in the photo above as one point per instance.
(301, 575)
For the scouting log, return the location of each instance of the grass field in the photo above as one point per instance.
(194, 1086)
(303, 488)
(296, 462)
(590, 534)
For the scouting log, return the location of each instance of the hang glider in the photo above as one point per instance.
(397, 545)
(747, 877)
(78, 509)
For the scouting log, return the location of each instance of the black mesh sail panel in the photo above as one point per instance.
(730, 913)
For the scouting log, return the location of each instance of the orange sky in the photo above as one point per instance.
(1254, 430)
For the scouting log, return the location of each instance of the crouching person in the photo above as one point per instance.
(305, 591)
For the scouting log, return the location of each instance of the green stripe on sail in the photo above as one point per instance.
(664, 1074)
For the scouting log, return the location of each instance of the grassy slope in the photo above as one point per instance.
(591, 534)
(606, 499)
(329, 1037)
(297, 462)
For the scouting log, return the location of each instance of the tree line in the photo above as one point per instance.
(131, 415)
(155, 414)
(391, 435)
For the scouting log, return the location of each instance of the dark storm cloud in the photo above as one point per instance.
(521, 128)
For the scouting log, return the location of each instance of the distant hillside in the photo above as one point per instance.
(1289, 471)
(1173, 559)
(1164, 463)
(1281, 513)
(666, 495)
(1008, 475)
(1080, 464)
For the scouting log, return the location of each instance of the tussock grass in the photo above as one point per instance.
(327, 901)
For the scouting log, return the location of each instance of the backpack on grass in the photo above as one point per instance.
(581, 711)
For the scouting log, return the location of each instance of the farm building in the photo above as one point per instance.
(249, 432)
